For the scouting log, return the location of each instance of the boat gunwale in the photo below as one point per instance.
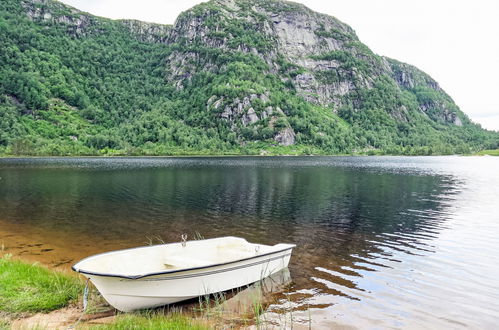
(136, 277)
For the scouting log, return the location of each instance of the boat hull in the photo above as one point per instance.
(127, 294)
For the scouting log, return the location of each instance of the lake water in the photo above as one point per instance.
(382, 242)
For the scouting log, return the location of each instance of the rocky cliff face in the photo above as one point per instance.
(80, 24)
(149, 32)
(315, 54)
(48, 11)
(440, 107)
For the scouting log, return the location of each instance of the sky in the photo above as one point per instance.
(454, 41)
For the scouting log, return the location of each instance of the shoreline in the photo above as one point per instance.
(493, 153)
(45, 250)
(238, 309)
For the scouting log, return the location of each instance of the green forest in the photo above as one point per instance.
(77, 84)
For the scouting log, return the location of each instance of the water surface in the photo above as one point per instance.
(381, 241)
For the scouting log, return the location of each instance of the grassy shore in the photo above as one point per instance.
(32, 288)
(494, 152)
(29, 288)
(151, 321)
(250, 149)
(4, 324)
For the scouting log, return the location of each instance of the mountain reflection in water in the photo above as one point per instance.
(381, 241)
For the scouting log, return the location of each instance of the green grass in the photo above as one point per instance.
(4, 324)
(151, 320)
(488, 152)
(31, 288)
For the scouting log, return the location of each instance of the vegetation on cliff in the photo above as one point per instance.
(230, 77)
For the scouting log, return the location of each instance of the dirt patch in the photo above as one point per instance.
(59, 319)
(62, 319)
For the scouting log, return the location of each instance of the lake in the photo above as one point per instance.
(382, 242)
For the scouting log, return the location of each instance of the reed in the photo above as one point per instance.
(155, 240)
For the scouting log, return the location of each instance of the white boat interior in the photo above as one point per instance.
(174, 257)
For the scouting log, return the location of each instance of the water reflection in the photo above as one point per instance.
(369, 231)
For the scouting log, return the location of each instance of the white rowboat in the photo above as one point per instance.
(152, 276)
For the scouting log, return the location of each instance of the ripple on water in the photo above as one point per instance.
(401, 242)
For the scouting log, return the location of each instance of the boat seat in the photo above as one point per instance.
(183, 262)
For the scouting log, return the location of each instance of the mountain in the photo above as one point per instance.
(229, 77)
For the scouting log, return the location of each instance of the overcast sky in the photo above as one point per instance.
(455, 41)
